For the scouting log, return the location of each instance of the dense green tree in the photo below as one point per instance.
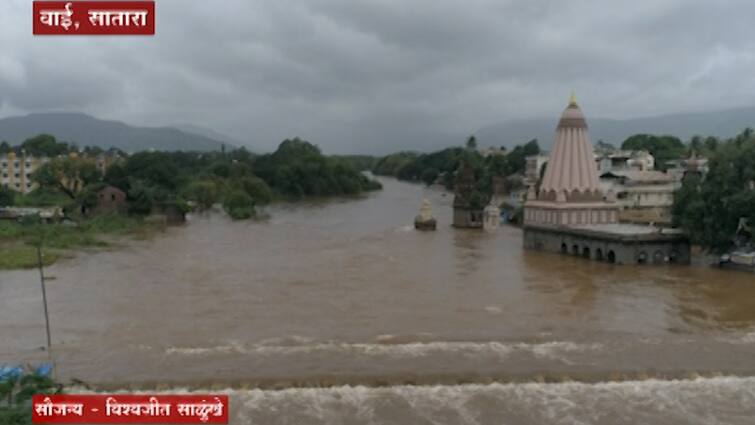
(239, 205)
(45, 145)
(709, 209)
(359, 162)
(116, 176)
(297, 168)
(257, 189)
(517, 158)
(696, 145)
(238, 170)
(140, 199)
(241, 155)
(389, 165)
(444, 163)
(7, 197)
(221, 169)
(155, 169)
(69, 175)
(663, 148)
(711, 145)
(429, 176)
(5, 147)
(204, 192)
(471, 142)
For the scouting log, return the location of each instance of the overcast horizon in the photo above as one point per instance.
(376, 76)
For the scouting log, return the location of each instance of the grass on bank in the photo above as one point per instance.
(18, 240)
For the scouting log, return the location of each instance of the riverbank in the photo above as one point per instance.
(19, 240)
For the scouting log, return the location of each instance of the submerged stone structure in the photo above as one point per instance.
(570, 214)
(425, 220)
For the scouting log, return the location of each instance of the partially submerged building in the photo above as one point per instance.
(468, 206)
(571, 214)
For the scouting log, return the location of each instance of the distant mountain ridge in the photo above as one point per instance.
(724, 123)
(209, 133)
(85, 130)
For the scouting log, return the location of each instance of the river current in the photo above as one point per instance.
(339, 312)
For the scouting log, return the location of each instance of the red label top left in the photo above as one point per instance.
(93, 18)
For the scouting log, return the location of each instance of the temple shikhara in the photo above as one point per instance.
(570, 192)
(571, 214)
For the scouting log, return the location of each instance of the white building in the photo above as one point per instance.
(643, 196)
(625, 160)
(16, 171)
(534, 167)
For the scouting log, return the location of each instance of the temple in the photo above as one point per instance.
(570, 213)
(570, 191)
(468, 210)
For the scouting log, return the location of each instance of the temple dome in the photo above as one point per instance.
(571, 172)
(572, 117)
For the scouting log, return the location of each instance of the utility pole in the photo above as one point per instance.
(44, 301)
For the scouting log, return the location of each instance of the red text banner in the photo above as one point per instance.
(129, 409)
(93, 17)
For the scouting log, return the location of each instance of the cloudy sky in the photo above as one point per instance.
(379, 75)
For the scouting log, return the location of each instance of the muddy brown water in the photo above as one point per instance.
(339, 312)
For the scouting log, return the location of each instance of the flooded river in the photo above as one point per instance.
(340, 313)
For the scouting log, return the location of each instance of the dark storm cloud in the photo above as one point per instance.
(379, 75)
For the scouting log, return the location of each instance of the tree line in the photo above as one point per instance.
(238, 179)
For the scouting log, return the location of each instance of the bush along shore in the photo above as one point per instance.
(19, 239)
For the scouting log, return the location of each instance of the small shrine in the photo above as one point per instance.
(425, 220)
(491, 217)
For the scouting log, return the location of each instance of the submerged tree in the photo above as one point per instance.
(239, 205)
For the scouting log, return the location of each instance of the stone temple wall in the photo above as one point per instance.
(570, 216)
(618, 249)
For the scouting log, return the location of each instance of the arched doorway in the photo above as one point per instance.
(611, 257)
(564, 248)
(599, 254)
(673, 256)
(586, 252)
(642, 257)
(575, 249)
(659, 257)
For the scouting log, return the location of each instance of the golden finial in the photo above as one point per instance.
(573, 99)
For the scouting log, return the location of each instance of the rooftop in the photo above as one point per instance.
(641, 176)
(628, 229)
